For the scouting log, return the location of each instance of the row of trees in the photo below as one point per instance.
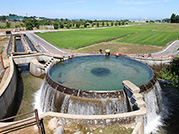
(35, 22)
(85, 24)
(31, 22)
(174, 18)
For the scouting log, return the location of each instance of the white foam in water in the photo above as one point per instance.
(37, 99)
(36, 103)
(153, 125)
(154, 104)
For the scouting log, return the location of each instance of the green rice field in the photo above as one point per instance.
(149, 34)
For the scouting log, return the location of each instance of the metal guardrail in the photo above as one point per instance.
(1, 68)
(8, 46)
(39, 123)
(1, 65)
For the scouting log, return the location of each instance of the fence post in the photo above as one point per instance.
(2, 63)
(37, 120)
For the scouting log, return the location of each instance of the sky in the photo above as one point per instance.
(92, 9)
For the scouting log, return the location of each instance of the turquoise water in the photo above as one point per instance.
(100, 73)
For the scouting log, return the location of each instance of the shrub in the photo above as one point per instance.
(55, 25)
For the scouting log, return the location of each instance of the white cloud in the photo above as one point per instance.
(140, 2)
(73, 2)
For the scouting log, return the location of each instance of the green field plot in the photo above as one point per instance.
(149, 34)
(155, 38)
(158, 36)
(81, 38)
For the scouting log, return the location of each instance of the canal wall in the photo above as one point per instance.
(8, 91)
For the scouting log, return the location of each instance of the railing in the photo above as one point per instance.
(1, 65)
(14, 125)
(8, 46)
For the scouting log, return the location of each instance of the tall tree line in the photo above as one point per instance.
(174, 18)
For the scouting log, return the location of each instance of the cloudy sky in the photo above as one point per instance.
(92, 9)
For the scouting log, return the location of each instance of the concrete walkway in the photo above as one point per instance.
(172, 49)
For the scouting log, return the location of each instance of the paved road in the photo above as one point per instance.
(169, 50)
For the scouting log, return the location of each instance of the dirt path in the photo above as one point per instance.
(122, 47)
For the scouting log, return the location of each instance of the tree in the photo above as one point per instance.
(29, 25)
(173, 18)
(112, 24)
(22, 25)
(12, 15)
(97, 24)
(8, 24)
(61, 25)
(61, 19)
(68, 25)
(103, 23)
(55, 25)
(38, 25)
(123, 23)
(77, 25)
(3, 18)
(119, 23)
(171, 73)
(16, 26)
(85, 25)
(107, 24)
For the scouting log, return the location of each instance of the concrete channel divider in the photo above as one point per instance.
(25, 45)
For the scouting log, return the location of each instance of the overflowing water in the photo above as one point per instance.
(49, 99)
(158, 119)
(155, 109)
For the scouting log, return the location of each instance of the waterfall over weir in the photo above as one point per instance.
(154, 104)
(53, 100)
(92, 85)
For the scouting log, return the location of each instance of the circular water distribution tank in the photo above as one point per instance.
(92, 84)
